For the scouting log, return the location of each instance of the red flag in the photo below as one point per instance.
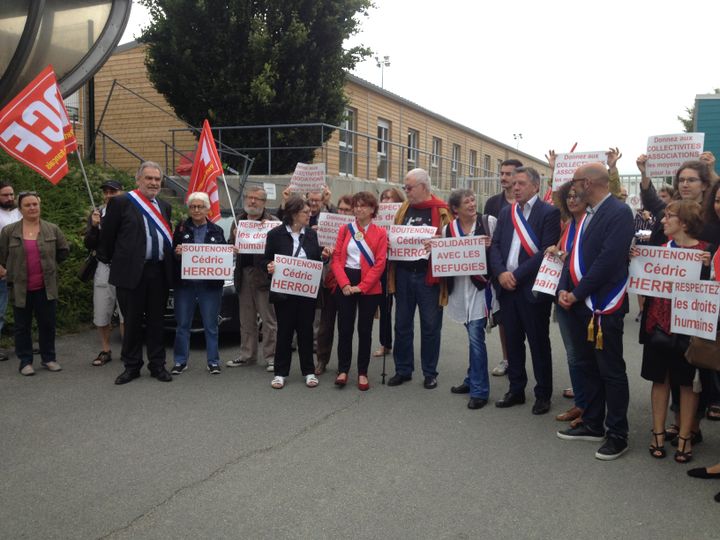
(35, 130)
(205, 170)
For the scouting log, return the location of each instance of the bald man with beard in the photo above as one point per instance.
(592, 289)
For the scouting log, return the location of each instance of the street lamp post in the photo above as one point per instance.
(382, 64)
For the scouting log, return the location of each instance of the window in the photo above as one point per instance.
(455, 166)
(486, 166)
(436, 159)
(472, 167)
(499, 165)
(412, 149)
(383, 150)
(347, 143)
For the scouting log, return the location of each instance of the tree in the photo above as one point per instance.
(689, 122)
(243, 62)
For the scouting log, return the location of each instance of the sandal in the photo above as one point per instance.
(657, 449)
(311, 381)
(278, 382)
(103, 358)
(683, 456)
(696, 438)
(713, 412)
(671, 434)
(382, 351)
(568, 393)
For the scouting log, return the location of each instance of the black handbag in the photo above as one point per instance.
(661, 339)
(87, 269)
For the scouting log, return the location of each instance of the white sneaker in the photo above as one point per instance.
(270, 367)
(52, 366)
(27, 371)
(500, 369)
(237, 362)
(278, 382)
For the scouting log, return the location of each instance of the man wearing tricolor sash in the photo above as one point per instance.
(136, 238)
(524, 231)
(592, 287)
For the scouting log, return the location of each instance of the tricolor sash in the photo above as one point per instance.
(568, 237)
(456, 231)
(154, 218)
(359, 238)
(527, 237)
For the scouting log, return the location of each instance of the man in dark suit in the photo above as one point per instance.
(592, 288)
(136, 238)
(524, 230)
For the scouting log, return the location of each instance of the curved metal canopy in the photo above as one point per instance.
(75, 36)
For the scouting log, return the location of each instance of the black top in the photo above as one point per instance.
(280, 242)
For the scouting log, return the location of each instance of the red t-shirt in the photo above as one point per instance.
(35, 280)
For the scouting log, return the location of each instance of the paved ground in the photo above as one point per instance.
(228, 457)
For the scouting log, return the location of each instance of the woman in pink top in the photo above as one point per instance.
(29, 252)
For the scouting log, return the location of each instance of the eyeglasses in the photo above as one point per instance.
(408, 188)
(670, 215)
(579, 179)
(197, 207)
(688, 180)
(252, 198)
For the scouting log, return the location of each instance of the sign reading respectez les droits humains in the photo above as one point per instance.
(251, 235)
(548, 276)
(695, 308)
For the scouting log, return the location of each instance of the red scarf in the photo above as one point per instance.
(434, 204)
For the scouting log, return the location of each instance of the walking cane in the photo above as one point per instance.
(387, 308)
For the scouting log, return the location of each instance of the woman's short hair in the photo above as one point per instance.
(347, 199)
(367, 199)
(394, 193)
(456, 198)
(293, 206)
(24, 194)
(199, 196)
(689, 213)
(696, 165)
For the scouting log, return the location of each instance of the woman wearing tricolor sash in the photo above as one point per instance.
(358, 263)
(472, 299)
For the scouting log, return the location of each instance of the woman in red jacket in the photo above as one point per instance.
(358, 263)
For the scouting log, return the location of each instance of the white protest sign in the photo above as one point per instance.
(655, 269)
(386, 214)
(269, 188)
(295, 276)
(634, 202)
(328, 226)
(567, 164)
(308, 178)
(206, 261)
(250, 236)
(549, 275)
(695, 308)
(459, 256)
(666, 153)
(406, 242)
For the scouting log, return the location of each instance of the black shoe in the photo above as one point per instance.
(429, 383)
(162, 375)
(580, 433)
(461, 389)
(717, 497)
(214, 369)
(702, 472)
(127, 376)
(476, 403)
(542, 406)
(397, 379)
(612, 449)
(178, 369)
(510, 399)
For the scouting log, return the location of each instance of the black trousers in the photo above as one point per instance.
(37, 303)
(294, 314)
(144, 306)
(364, 306)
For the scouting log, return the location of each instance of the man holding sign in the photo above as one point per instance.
(524, 231)
(592, 288)
(415, 287)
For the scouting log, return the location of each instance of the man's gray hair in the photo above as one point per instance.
(531, 173)
(148, 165)
(421, 176)
(256, 189)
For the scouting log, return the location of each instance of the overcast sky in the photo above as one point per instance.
(597, 73)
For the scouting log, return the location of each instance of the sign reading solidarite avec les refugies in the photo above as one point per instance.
(295, 276)
(548, 276)
(386, 214)
(695, 308)
(251, 235)
(655, 269)
(328, 226)
(567, 164)
(308, 178)
(459, 256)
(207, 261)
(666, 153)
(407, 242)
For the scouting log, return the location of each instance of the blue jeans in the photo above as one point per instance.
(208, 300)
(3, 302)
(411, 291)
(477, 374)
(563, 319)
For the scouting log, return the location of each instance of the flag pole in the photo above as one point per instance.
(87, 183)
(227, 191)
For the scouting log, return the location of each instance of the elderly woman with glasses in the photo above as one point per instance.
(206, 294)
(30, 250)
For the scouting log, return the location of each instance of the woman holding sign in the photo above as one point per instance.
(188, 293)
(295, 314)
(358, 263)
(664, 360)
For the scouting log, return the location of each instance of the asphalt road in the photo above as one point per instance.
(228, 457)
